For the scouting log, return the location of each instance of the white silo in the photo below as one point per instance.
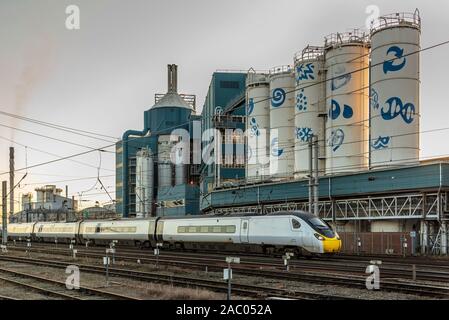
(257, 125)
(144, 182)
(347, 102)
(164, 146)
(310, 106)
(282, 113)
(395, 84)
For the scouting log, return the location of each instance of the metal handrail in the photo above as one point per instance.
(396, 19)
(254, 78)
(309, 53)
(281, 69)
(353, 36)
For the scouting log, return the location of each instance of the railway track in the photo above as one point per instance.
(55, 289)
(390, 270)
(255, 291)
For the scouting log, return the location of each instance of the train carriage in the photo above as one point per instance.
(298, 232)
(20, 231)
(63, 232)
(139, 232)
(291, 231)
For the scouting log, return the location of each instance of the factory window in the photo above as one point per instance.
(296, 224)
(229, 84)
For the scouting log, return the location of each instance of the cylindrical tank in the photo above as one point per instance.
(347, 102)
(282, 85)
(310, 106)
(164, 146)
(144, 182)
(395, 83)
(257, 125)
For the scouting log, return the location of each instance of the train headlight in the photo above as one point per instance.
(319, 237)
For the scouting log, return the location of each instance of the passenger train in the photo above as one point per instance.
(298, 232)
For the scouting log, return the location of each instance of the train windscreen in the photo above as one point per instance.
(322, 227)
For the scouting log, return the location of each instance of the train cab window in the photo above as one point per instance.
(296, 224)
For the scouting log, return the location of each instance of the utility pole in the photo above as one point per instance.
(310, 174)
(11, 181)
(316, 177)
(4, 213)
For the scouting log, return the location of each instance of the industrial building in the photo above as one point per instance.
(48, 197)
(335, 132)
(147, 181)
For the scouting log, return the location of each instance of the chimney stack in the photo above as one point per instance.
(172, 78)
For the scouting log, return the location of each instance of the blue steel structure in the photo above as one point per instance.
(224, 109)
(170, 112)
(425, 178)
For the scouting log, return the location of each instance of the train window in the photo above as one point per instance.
(230, 229)
(181, 229)
(97, 229)
(245, 225)
(204, 229)
(216, 230)
(192, 229)
(296, 224)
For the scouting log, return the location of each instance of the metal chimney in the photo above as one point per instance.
(172, 78)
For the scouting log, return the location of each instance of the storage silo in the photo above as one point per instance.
(395, 84)
(257, 125)
(164, 146)
(310, 106)
(144, 182)
(347, 102)
(282, 106)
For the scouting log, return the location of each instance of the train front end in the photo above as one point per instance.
(327, 239)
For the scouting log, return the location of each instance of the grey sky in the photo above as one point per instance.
(102, 77)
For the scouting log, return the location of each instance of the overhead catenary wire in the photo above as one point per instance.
(94, 149)
(46, 152)
(85, 133)
(49, 137)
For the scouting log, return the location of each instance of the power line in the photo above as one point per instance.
(51, 138)
(48, 153)
(85, 133)
(101, 149)
(68, 180)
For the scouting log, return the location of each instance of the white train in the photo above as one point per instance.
(293, 231)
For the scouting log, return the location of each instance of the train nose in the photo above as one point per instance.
(331, 245)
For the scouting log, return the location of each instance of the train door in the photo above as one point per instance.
(297, 238)
(244, 231)
(160, 231)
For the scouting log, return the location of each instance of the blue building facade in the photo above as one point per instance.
(170, 112)
(224, 109)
